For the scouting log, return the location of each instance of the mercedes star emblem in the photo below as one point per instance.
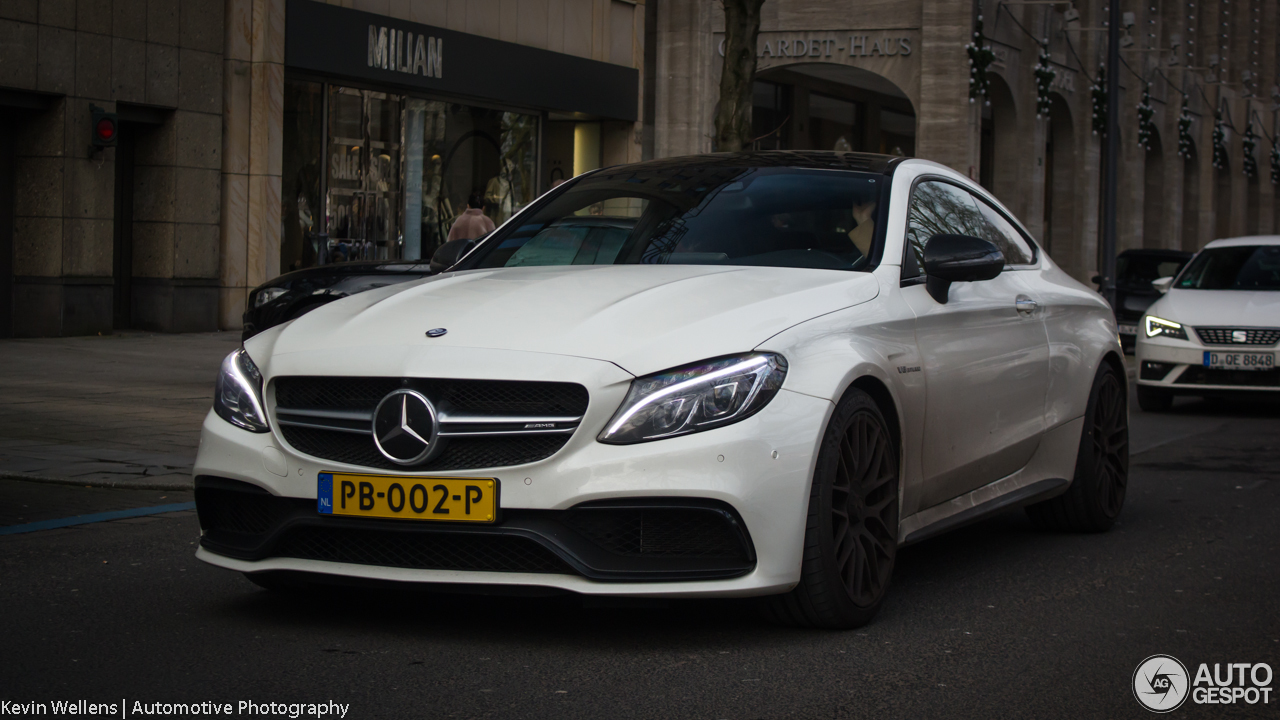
(405, 428)
(436, 332)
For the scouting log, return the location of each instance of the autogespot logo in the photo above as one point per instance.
(1160, 683)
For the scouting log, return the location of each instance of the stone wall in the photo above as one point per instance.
(63, 56)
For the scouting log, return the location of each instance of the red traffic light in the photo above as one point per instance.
(106, 130)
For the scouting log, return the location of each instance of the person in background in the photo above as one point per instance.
(473, 223)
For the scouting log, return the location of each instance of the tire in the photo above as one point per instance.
(1154, 399)
(1095, 497)
(851, 535)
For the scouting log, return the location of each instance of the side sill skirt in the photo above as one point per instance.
(1035, 492)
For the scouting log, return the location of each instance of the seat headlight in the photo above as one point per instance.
(696, 397)
(237, 396)
(1168, 328)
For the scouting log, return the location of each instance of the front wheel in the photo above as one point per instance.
(1093, 500)
(851, 537)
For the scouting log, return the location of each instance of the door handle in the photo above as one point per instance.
(1025, 305)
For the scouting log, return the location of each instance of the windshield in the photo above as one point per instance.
(1246, 267)
(714, 215)
(1135, 272)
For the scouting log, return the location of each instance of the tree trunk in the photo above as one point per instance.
(733, 114)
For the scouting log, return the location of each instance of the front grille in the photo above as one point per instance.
(683, 532)
(1253, 336)
(420, 551)
(643, 539)
(1197, 375)
(458, 454)
(325, 417)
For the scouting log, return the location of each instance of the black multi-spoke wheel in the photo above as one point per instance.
(852, 534)
(1096, 495)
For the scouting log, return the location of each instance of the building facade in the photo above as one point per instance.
(258, 136)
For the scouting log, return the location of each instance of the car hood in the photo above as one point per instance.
(643, 318)
(1220, 308)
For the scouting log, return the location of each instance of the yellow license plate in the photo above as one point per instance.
(408, 498)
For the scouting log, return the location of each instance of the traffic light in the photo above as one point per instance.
(106, 127)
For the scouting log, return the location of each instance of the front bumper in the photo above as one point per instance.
(754, 474)
(1177, 366)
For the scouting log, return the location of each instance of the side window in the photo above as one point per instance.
(938, 208)
(1016, 249)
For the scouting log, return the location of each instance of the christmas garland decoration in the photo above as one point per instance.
(1219, 142)
(980, 58)
(1045, 75)
(1185, 143)
(1249, 143)
(1275, 162)
(1099, 92)
(1145, 113)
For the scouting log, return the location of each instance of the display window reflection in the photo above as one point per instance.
(369, 175)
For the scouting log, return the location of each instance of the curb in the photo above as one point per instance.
(116, 485)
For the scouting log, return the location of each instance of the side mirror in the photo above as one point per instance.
(959, 258)
(1163, 284)
(448, 254)
(1096, 280)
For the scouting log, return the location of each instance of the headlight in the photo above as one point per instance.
(1168, 328)
(237, 397)
(695, 398)
(266, 295)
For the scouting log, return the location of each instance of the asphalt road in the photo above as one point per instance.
(995, 620)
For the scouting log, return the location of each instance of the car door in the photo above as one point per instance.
(984, 353)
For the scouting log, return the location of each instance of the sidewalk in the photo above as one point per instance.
(120, 410)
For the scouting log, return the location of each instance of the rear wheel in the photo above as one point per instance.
(851, 538)
(1152, 399)
(1096, 495)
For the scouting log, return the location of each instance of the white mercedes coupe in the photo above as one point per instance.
(1215, 331)
(752, 374)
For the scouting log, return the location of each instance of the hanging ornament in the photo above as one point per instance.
(1249, 143)
(1275, 161)
(1146, 128)
(1219, 142)
(1185, 143)
(1099, 92)
(1044, 79)
(980, 58)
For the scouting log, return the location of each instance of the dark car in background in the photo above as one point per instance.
(299, 292)
(1135, 269)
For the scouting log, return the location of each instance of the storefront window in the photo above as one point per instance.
(301, 212)
(373, 175)
(833, 123)
(453, 151)
(363, 204)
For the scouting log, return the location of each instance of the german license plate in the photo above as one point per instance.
(1127, 329)
(1239, 360)
(408, 498)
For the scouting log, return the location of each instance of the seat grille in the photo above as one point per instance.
(1223, 336)
(473, 398)
(1197, 375)
(421, 551)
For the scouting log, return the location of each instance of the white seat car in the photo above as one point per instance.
(725, 375)
(1215, 330)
